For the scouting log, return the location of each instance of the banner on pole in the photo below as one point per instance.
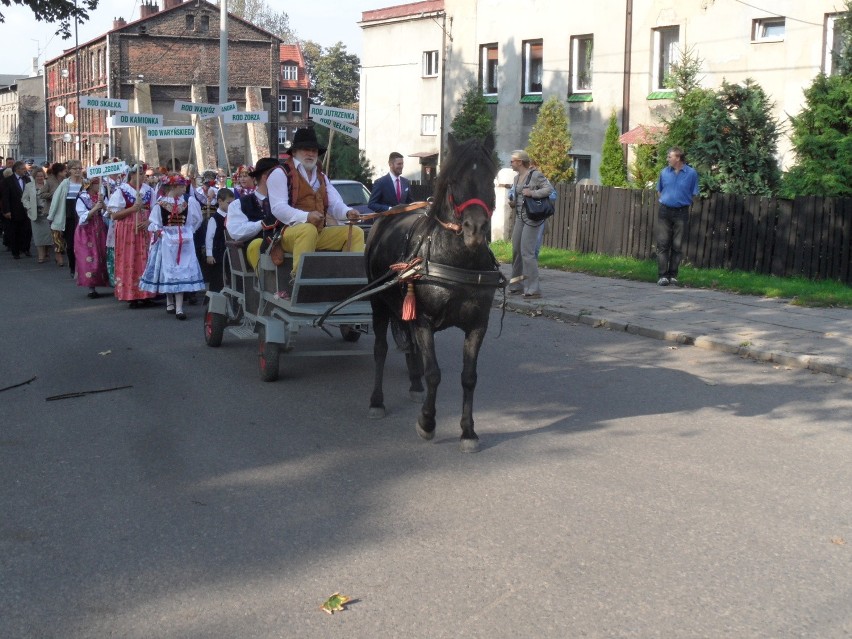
(104, 104)
(123, 120)
(99, 170)
(343, 115)
(204, 111)
(346, 129)
(245, 117)
(227, 107)
(170, 132)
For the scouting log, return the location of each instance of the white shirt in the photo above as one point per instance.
(193, 215)
(211, 231)
(240, 228)
(117, 202)
(276, 185)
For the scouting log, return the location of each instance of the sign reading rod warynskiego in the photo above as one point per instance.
(200, 109)
(121, 120)
(245, 117)
(104, 104)
(335, 113)
(173, 132)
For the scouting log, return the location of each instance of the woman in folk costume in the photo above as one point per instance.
(244, 183)
(90, 239)
(129, 208)
(172, 266)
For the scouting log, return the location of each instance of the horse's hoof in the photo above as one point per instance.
(416, 396)
(377, 412)
(428, 435)
(469, 445)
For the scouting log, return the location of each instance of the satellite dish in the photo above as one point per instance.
(69, 118)
(60, 111)
(66, 137)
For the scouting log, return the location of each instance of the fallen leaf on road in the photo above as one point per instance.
(104, 352)
(840, 541)
(672, 348)
(335, 603)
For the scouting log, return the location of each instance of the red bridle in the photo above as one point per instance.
(457, 210)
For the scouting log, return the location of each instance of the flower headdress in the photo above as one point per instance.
(243, 168)
(175, 179)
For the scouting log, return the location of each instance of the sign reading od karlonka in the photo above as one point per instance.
(245, 117)
(347, 129)
(122, 120)
(343, 115)
(104, 104)
(100, 170)
(173, 132)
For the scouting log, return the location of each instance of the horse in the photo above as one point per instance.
(447, 276)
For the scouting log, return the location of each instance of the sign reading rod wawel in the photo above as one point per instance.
(173, 132)
(121, 120)
(343, 115)
(104, 104)
(245, 117)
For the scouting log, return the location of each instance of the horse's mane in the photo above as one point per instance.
(464, 154)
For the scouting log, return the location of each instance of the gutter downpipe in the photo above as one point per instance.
(445, 46)
(628, 47)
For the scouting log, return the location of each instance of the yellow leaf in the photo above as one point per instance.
(335, 603)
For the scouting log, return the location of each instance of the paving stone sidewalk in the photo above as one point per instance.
(771, 330)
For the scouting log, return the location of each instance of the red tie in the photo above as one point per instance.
(398, 191)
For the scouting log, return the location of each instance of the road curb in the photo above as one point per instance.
(807, 362)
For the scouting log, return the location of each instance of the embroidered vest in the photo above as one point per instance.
(301, 194)
(219, 236)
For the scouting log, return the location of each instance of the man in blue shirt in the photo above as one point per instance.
(677, 185)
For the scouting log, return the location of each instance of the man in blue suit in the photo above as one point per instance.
(391, 189)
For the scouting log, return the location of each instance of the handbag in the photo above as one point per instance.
(538, 208)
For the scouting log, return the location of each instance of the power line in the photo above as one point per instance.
(816, 24)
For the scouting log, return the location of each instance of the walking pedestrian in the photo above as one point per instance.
(676, 187)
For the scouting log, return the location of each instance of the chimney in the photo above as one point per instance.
(118, 23)
(171, 4)
(147, 10)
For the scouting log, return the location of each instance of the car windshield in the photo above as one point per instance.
(353, 194)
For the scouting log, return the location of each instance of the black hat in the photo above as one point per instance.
(30, 162)
(263, 165)
(305, 139)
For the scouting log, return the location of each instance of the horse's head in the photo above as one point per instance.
(464, 192)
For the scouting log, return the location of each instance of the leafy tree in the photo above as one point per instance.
(348, 162)
(646, 166)
(473, 119)
(312, 52)
(550, 142)
(613, 172)
(337, 77)
(688, 103)
(736, 142)
(822, 139)
(63, 12)
(261, 15)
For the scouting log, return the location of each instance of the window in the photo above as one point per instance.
(488, 69)
(282, 136)
(205, 23)
(190, 22)
(665, 53)
(282, 103)
(429, 124)
(290, 72)
(296, 103)
(430, 64)
(768, 29)
(582, 167)
(581, 63)
(834, 44)
(533, 66)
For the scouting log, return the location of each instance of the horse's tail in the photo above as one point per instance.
(401, 332)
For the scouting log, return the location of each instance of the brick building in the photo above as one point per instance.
(169, 53)
(293, 94)
(22, 118)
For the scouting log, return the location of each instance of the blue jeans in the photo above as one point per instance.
(668, 234)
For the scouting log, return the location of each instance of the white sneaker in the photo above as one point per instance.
(663, 281)
(673, 281)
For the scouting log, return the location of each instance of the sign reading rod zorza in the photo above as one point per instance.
(104, 104)
(245, 117)
(120, 120)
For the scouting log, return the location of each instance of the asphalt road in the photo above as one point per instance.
(626, 488)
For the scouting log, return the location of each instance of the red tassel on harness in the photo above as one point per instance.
(409, 310)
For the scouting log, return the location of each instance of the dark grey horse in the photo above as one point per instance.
(456, 278)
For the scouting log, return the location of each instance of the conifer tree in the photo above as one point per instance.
(550, 142)
(613, 169)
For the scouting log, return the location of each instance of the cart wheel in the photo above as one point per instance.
(214, 327)
(349, 333)
(267, 353)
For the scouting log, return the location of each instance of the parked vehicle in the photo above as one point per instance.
(356, 196)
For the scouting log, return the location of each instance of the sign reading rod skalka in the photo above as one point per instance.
(245, 117)
(104, 104)
(173, 132)
(120, 120)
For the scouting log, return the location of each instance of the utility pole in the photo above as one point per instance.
(223, 74)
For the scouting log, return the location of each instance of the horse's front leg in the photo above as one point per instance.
(426, 342)
(472, 342)
(380, 353)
